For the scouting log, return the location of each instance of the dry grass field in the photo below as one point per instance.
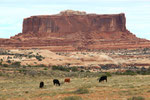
(18, 86)
(21, 71)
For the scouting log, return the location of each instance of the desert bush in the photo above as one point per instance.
(5, 65)
(136, 98)
(130, 72)
(82, 70)
(41, 65)
(127, 72)
(30, 56)
(1, 74)
(30, 53)
(22, 70)
(45, 68)
(16, 64)
(61, 68)
(87, 71)
(9, 57)
(65, 68)
(144, 71)
(74, 69)
(108, 74)
(9, 61)
(81, 90)
(148, 91)
(1, 60)
(0, 63)
(4, 74)
(39, 57)
(72, 98)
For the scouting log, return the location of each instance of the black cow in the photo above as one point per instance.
(56, 82)
(41, 85)
(102, 78)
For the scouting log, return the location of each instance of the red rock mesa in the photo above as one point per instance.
(74, 30)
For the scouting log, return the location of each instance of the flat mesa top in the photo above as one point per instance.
(74, 13)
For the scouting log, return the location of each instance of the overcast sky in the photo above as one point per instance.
(12, 12)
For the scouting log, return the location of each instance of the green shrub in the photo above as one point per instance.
(64, 68)
(148, 91)
(40, 65)
(1, 74)
(72, 98)
(1, 60)
(61, 68)
(30, 53)
(22, 70)
(74, 69)
(127, 72)
(5, 65)
(108, 74)
(144, 72)
(9, 61)
(82, 90)
(82, 70)
(16, 64)
(30, 56)
(136, 98)
(24, 66)
(39, 57)
(45, 68)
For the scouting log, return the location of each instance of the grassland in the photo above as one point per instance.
(18, 85)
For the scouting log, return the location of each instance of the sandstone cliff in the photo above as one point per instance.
(74, 30)
(74, 23)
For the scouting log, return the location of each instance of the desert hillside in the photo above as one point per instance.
(120, 59)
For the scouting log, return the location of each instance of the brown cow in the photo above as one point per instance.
(67, 80)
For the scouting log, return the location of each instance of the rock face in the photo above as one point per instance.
(75, 30)
(74, 23)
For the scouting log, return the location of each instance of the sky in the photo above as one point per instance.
(12, 12)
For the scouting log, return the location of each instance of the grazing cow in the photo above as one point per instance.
(67, 80)
(102, 78)
(41, 85)
(56, 82)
